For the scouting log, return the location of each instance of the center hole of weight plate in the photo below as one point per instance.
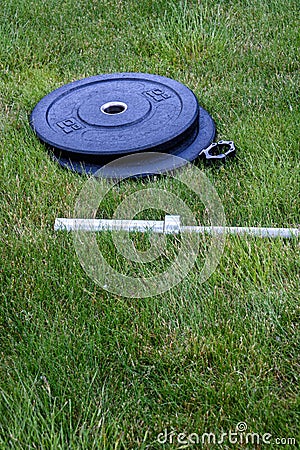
(111, 108)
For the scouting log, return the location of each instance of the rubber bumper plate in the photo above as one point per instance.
(93, 121)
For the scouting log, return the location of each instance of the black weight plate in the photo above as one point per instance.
(152, 163)
(116, 114)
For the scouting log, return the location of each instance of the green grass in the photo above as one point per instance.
(82, 368)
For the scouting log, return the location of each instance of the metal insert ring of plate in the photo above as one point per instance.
(92, 121)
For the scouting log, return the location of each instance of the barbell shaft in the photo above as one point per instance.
(171, 225)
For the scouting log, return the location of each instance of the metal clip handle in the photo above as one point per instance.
(215, 151)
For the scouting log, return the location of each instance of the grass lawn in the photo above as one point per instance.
(83, 368)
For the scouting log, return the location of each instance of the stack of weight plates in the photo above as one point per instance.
(93, 121)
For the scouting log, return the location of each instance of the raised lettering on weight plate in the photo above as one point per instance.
(69, 125)
(157, 94)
